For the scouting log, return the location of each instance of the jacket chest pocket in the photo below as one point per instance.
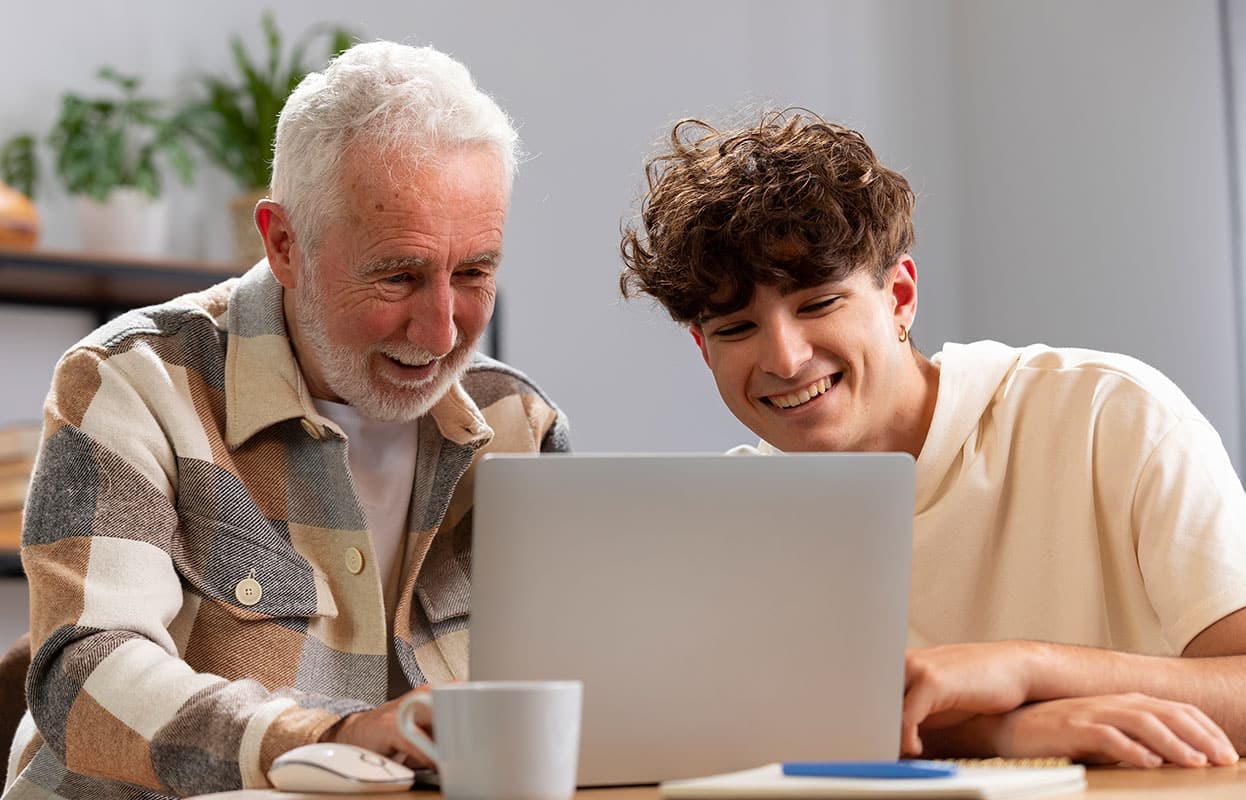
(251, 571)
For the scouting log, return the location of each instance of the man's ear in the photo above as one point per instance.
(698, 336)
(902, 285)
(278, 234)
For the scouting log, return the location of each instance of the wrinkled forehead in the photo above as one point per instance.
(463, 183)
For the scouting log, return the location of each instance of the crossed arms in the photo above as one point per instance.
(1022, 698)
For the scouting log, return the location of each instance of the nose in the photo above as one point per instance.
(784, 349)
(431, 325)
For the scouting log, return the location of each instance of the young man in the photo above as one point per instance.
(1079, 568)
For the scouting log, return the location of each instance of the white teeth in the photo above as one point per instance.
(804, 395)
(409, 364)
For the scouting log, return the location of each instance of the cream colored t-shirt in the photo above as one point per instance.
(1071, 496)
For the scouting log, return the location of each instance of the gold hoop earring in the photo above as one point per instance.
(904, 334)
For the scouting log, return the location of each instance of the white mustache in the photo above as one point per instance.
(418, 356)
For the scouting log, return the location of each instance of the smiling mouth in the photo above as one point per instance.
(802, 396)
(402, 363)
(410, 373)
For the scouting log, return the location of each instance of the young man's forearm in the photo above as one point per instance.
(1008, 697)
(1215, 684)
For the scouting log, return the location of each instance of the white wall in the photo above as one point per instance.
(1096, 186)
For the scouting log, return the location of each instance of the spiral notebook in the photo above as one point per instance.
(980, 783)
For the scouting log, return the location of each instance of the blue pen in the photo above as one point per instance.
(906, 768)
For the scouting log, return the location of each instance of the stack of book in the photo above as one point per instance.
(18, 445)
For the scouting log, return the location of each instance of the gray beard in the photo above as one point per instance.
(345, 370)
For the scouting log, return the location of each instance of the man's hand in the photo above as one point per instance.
(377, 730)
(944, 686)
(1139, 730)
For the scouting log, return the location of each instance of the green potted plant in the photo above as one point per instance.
(236, 124)
(107, 152)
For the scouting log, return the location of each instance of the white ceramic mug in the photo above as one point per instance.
(501, 740)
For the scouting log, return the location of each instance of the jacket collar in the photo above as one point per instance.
(264, 385)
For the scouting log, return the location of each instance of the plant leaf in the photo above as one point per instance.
(236, 125)
(127, 83)
(18, 166)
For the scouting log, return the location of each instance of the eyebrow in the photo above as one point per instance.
(488, 257)
(394, 264)
(413, 263)
(833, 287)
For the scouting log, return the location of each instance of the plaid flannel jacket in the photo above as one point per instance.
(192, 541)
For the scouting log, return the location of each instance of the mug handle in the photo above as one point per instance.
(414, 733)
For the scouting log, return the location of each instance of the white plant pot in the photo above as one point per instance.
(127, 223)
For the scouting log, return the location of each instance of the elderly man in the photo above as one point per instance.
(1078, 528)
(250, 524)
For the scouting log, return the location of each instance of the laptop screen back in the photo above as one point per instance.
(722, 611)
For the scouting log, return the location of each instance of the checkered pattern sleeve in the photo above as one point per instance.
(109, 687)
(557, 437)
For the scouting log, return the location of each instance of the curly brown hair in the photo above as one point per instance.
(794, 201)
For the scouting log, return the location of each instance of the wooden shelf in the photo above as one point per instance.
(105, 284)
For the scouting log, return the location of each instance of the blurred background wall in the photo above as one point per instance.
(1070, 159)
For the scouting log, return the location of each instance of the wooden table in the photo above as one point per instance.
(1105, 783)
(1212, 783)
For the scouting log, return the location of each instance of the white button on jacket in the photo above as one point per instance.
(248, 591)
(354, 560)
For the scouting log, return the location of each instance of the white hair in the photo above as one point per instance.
(405, 104)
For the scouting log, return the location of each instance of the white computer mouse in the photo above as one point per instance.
(332, 767)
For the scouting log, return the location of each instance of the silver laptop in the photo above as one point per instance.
(723, 611)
